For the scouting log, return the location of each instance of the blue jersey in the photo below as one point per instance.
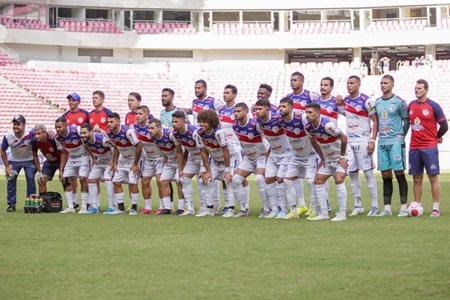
(72, 142)
(101, 148)
(296, 134)
(274, 133)
(166, 143)
(188, 139)
(148, 144)
(125, 140)
(391, 113)
(250, 136)
(325, 134)
(328, 108)
(301, 100)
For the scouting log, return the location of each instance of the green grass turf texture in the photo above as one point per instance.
(55, 256)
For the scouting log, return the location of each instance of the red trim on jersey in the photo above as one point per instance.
(211, 145)
(271, 133)
(330, 139)
(245, 138)
(226, 119)
(292, 134)
(353, 110)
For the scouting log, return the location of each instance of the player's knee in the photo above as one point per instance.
(237, 180)
(185, 181)
(260, 180)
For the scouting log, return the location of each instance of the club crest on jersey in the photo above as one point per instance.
(103, 120)
(275, 129)
(392, 108)
(358, 107)
(51, 149)
(329, 109)
(251, 136)
(425, 112)
(80, 120)
(74, 142)
(297, 131)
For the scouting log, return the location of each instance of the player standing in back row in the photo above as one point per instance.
(393, 124)
(424, 115)
(359, 111)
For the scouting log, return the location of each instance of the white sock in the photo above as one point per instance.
(355, 185)
(299, 192)
(290, 194)
(217, 188)
(84, 199)
(148, 203)
(238, 189)
(69, 199)
(181, 204)
(201, 194)
(436, 206)
(75, 197)
(321, 194)
(261, 183)
(372, 185)
(110, 193)
(281, 196)
(119, 197)
(93, 194)
(225, 198)
(188, 191)
(247, 198)
(161, 205)
(271, 189)
(210, 192)
(342, 197)
(134, 198)
(230, 195)
(312, 194)
(167, 204)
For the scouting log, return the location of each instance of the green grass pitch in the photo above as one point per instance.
(54, 256)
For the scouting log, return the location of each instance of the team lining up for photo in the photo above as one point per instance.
(228, 141)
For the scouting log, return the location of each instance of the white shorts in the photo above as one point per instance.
(124, 173)
(218, 170)
(357, 157)
(252, 165)
(77, 167)
(302, 167)
(170, 170)
(235, 160)
(277, 164)
(331, 168)
(102, 172)
(151, 167)
(193, 165)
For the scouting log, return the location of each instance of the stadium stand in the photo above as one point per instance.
(97, 26)
(23, 24)
(166, 28)
(398, 25)
(321, 27)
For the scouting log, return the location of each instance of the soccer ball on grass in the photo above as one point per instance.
(415, 209)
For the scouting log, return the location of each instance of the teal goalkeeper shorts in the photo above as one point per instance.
(391, 157)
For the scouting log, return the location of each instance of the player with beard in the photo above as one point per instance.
(303, 163)
(264, 93)
(167, 96)
(153, 159)
(126, 168)
(100, 148)
(226, 117)
(256, 150)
